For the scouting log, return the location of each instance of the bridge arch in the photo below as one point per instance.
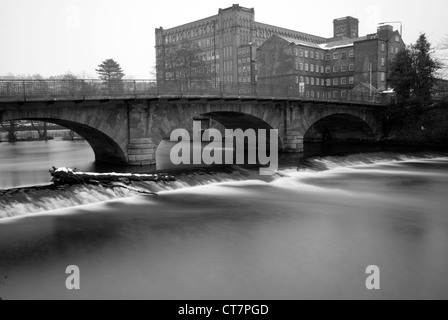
(228, 115)
(108, 142)
(342, 127)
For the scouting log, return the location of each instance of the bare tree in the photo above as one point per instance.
(444, 56)
(11, 128)
(185, 63)
(43, 133)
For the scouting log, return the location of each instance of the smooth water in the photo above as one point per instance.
(308, 234)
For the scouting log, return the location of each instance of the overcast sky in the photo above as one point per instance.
(51, 37)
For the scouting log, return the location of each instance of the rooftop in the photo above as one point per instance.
(335, 44)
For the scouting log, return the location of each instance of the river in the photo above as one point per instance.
(308, 233)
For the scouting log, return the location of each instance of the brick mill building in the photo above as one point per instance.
(237, 49)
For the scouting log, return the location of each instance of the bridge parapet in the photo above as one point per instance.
(69, 90)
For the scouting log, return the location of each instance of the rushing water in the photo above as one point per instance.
(307, 233)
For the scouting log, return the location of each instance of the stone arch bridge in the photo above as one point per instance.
(129, 131)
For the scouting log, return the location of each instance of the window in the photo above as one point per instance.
(351, 53)
(312, 54)
(335, 94)
(307, 80)
(383, 47)
(297, 80)
(335, 81)
(317, 68)
(397, 38)
(383, 76)
(335, 68)
(317, 81)
(343, 81)
(297, 66)
(312, 81)
(327, 57)
(343, 94)
(312, 94)
(322, 69)
(351, 80)
(307, 54)
(301, 53)
(296, 52)
(328, 82)
(344, 68)
(351, 67)
(317, 55)
(396, 50)
(383, 62)
(302, 79)
(312, 68)
(336, 56)
(301, 67)
(391, 49)
(307, 67)
(344, 55)
(327, 69)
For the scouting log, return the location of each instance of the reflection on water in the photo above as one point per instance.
(308, 234)
(27, 163)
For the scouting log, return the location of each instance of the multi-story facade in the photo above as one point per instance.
(335, 68)
(229, 41)
(237, 49)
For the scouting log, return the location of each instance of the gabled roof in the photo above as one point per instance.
(334, 44)
(300, 42)
(342, 43)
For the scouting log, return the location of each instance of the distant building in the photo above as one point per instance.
(334, 68)
(238, 49)
(229, 41)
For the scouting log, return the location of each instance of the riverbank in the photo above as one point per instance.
(417, 125)
(32, 135)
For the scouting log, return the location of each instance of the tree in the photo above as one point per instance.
(414, 71)
(444, 56)
(402, 75)
(10, 128)
(69, 84)
(110, 70)
(111, 73)
(43, 135)
(186, 63)
(426, 68)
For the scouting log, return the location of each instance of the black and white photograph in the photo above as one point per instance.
(221, 156)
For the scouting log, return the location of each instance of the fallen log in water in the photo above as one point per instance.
(63, 176)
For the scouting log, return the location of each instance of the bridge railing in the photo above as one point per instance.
(90, 89)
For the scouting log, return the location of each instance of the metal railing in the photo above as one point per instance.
(39, 90)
